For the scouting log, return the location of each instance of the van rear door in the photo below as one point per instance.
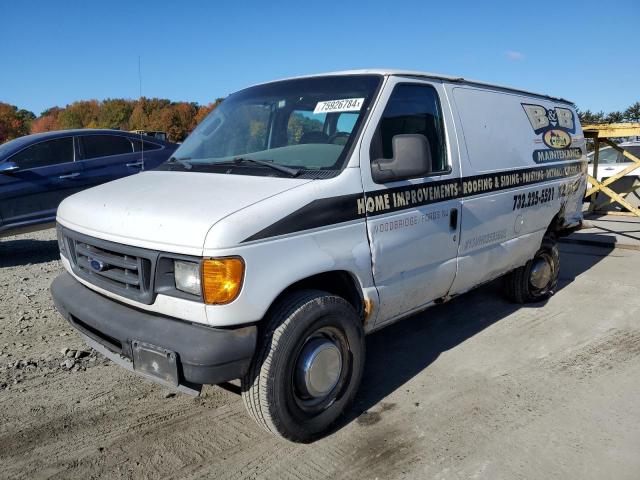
(412, 223)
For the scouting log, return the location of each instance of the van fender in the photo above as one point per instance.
(276, 265)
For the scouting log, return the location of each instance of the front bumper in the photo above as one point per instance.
(204, 355)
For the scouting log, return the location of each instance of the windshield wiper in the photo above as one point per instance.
(288, 170)
(182, 161)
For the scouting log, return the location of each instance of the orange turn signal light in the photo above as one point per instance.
(222, 279)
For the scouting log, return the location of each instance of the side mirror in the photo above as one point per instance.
(8, 167)
(411, 158)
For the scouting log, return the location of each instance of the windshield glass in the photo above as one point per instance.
(304, 124)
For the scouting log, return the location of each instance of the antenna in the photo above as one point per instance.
(139, 100)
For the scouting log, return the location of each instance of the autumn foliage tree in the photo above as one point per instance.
(115, 113)
(178, 119)
(47, 121)
(13, 122)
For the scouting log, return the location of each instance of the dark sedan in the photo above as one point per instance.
(38, 171)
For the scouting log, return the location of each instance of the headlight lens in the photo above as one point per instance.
(187, 276)
(222, 279)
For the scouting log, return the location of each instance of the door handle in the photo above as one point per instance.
(135, 164)
(453, 219)
(71, 175)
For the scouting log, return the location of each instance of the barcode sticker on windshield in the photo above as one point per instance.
(343, 105)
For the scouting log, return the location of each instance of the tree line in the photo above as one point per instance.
(178, 119)
(631, 114)
(13, 122)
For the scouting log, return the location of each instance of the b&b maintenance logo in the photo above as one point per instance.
(556, 125)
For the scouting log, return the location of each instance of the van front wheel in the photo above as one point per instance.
(538, 278)
(308, 366)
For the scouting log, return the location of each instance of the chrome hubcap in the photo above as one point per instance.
(540, 273)
(319, 368)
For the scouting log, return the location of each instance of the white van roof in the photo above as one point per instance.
(437, 76)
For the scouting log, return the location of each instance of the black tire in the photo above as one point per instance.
(269, 389)
(518, 286)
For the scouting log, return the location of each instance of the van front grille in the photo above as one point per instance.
(121, 269)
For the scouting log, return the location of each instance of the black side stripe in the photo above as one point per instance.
(320, 212)
(344, 208)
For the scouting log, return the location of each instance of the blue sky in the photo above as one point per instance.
(56, 52)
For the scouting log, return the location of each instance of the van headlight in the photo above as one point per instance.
(218, 280)
(187, 276)
(222, 279)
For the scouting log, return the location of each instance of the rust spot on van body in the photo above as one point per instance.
(368, 309)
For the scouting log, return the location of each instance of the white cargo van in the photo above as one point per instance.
(304, 213)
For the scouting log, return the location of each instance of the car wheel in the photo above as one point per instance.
(538, 278)
(308, 366)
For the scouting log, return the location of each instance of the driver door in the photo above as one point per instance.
(412, 223)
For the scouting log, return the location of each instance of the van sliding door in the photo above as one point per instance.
(510, 190)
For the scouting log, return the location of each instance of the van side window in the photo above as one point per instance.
(412, 109)
(43, 154)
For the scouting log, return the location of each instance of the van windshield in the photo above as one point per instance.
(305, 125)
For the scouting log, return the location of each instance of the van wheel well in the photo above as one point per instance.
(555, 226)
(557, 229)
(340, 283)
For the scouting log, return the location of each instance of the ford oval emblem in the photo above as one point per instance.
(97, 265)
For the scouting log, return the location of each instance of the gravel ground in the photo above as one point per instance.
(476, 388)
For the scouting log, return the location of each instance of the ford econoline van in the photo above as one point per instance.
(301, 215)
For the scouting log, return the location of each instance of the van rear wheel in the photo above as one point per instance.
(308, 366)
(538, 278)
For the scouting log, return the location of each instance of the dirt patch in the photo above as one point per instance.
(618, 347)
(371, 417)
(476, 388)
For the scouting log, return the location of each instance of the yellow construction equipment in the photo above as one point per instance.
(602, 133)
